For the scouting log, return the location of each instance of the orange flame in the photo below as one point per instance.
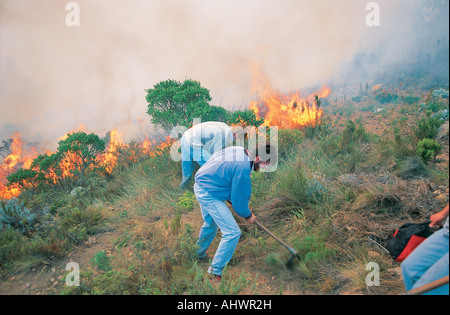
(161, 147)
(17, 159)
(285, 111)
(81, 127)
(109, 159)
(147, 145)
(9, 192)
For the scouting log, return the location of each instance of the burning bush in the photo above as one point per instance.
(79, 159)
(15, 156)
(80, 153)
(290, 111)
(287, 111)
(77, 155)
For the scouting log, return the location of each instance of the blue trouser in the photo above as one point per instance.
(190, 156)
(427, 263)
(216, 215)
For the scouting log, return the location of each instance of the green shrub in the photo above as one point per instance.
(353, 133)
(295, 185)
(410, 99)
(436, 101)
(102, 261)
(172, 103)
(187, 249)
(314, 253)
(13, 214)
(113, 283)
(292, 182)
(187, 201)
(244, 118)
(315, 189)
(385, 96)
(77, 224)
(428, 150)
(288, 139)
(11, 245)
(427, 128)
(314, 249)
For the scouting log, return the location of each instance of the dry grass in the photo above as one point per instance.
(355, 271)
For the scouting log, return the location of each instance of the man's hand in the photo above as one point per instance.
(251, 220)
(439, 218)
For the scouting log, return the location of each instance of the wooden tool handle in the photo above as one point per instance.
(428, 287)
(274, 236)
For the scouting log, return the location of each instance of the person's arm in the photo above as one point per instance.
(241, 192)
(439, 218)
(251, 219)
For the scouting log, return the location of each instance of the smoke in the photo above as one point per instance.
(411, 47)
(54, 78)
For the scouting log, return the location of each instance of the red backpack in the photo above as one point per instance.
(407, 238)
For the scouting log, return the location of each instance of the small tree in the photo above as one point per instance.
(44, 170)
(81, 151)
(172, 103)
(428, 149)
(353, 133)
(427, 128)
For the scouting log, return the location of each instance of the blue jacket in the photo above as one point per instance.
(226, 176)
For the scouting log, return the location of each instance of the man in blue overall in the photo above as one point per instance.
(226, 177)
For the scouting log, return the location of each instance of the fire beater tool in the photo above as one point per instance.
(294, 253)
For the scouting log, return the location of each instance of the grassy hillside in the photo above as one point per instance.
(339, 192)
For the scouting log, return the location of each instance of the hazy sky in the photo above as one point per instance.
(54, 77)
